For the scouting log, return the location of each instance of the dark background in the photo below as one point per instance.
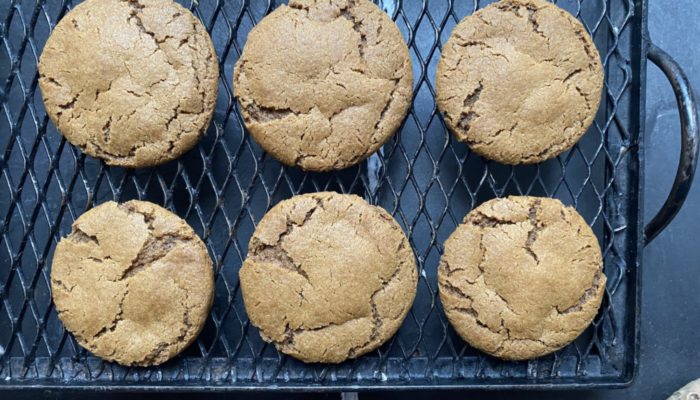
(670, 336)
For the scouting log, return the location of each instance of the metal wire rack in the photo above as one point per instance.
(223, 187)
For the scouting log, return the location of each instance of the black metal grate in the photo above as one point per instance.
(225, 185)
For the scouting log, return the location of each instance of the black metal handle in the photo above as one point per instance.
(689, 142)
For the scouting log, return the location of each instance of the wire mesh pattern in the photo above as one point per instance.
(223, 187)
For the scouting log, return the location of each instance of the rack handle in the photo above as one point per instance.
(687, 109)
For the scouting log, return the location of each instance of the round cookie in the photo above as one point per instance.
(691, 391)
(133, 83)
(132, 282)
(323, 84)
(520, 81)
(328, 277)
(521, 277)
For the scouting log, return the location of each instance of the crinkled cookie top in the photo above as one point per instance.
(132, 282)
(520, 81)
(323, 84)
(132, 82)
(328, 277)
(521, 277)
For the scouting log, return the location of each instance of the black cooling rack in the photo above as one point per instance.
(223, 187)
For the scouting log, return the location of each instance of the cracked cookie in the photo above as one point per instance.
(132, 82)
(132, 282)
(328, 277)
(323, 84)
(520, 81)
(521, 277)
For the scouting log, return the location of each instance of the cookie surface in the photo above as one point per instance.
(132, 82)
(323, 84)
(521, 277)
(328, 277)
(520, 81)
(132, 282)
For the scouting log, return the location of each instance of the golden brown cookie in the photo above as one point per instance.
(520, 81)
(132, 82)
(324, 84)
(521, 277)
(132, 282)
(691, 391)
(328, 277)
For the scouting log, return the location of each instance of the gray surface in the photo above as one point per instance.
(670, 344)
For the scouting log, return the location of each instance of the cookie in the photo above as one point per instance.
(132, 82)
(691, 391)
(132, 282)
(328, 277)
(520, 81)
(521, 277)
(322, 85)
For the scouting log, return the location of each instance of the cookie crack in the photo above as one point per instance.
(482, 220)
(117, 318)
(107, 129)
(136, 8)
(491, 138)
(290, 334)
(451, 271)
(176, 114)
(536, 156)
(275, 254)
(531, 11)
(474, 43)
(80, 236)
(388, 104)
(68, 105)
(587, 295)
(109, 155)
(63, 285)
(374, 334)
(474, 96)
(99, 92)
(475, 316)
(298, 6)
(448, 286)
(50, 80)
(263, 114)
(471, 311)
(376, 318)
(467, 116)
(148, 218)
(585, 98)
(482, 259)
(536, 228)
(155, 248)
(571, 75)
(356, 25)
(586, 47)
(154, 354)
(509, 340)
(482, 271)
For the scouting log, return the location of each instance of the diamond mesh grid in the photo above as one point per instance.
(223, 187)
